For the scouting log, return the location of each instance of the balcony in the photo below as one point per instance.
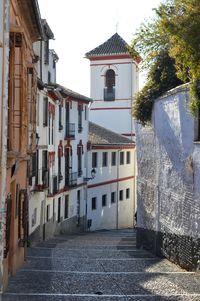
(109, 94)
(70, 131)
(80, 172)
(41, 180)
(71, 179)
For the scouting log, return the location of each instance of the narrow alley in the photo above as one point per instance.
(101, 265)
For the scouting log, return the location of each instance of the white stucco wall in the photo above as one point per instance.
(169, 169)
(107, 180)
(108, 113)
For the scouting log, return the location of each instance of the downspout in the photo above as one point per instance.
(117, 197)
(4, 121)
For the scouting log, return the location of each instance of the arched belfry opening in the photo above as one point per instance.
(109, 89)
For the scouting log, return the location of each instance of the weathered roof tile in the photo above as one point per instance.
(102, 136)
(114, 45)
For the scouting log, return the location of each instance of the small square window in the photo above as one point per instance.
(128, 193)
(113, 197)
(94, 203)
(121, 158)
(128, 157)
(104, 159)
(121, 195)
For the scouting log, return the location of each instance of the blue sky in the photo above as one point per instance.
(81, 25)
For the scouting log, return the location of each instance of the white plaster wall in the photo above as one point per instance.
(168, 168)
(126, 86)
(119, 121)
(106, 217)
(125, 77)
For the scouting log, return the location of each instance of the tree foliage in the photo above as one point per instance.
(173, 32)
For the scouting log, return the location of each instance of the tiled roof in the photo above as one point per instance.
(67, 92)
(114, 45)
(102, 136)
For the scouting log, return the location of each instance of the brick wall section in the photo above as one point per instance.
(168, 191)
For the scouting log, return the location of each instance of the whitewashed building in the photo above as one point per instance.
(111, 193)
(114, 82)
(58, 170)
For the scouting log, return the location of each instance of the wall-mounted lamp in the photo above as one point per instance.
(93, 174)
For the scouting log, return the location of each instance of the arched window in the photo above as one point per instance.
(109, 90)
(110, 78)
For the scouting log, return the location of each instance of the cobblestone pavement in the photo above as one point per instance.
(99, 266)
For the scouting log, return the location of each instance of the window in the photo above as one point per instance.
(59, 210)
(94, 203)
(54, 210)
(46, 51)
(109, 90)
(79, 161)
(110, 78)
(66, 215)
(94, 160)
(128, 157)
(104, 159)
(48, 213)
(60, 177)
(113, 197)
(60, 118)
(85, 112)
(128, 193)
(121, 195)
(104, 200)
(45, 111)
(80, 108)
(113, 161)
(121, 158)
(49, 77)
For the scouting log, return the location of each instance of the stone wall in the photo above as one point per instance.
(168, 191)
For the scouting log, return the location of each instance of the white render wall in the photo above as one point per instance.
(109, 113)
(36, 198)
(106, 217)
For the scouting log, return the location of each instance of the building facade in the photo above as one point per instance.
(111, 193)
(58, 168)
(25, 28)
(4, 69)
(114, 82)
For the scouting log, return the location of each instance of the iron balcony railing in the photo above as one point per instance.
(70, 130)
(109, 94)
(71, 179)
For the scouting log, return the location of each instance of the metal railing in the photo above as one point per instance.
(71, 179)
(109, 94)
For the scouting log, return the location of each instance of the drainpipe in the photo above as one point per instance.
(117, 197)
(4, 116)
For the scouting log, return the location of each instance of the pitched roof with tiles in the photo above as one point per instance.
(99, 135)
(114, 45)
(67, 92)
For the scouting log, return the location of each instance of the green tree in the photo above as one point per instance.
(174, 31)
